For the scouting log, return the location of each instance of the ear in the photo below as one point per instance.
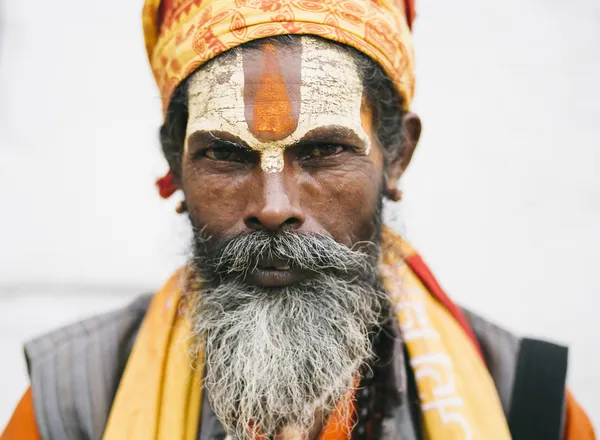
(411, 132)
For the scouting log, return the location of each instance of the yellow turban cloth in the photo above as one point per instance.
(181, 35)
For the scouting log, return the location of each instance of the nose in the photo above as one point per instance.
(275, 207)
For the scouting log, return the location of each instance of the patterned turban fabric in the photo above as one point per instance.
(181, 35)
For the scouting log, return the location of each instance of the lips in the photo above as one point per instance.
(275, 273)
(273, 264)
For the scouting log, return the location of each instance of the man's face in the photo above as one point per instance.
(283, 178)
(282, 137)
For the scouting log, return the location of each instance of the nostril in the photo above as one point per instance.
(272, 224)
(292, 221)
(253, 222)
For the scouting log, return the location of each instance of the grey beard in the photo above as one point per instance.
(276, 356)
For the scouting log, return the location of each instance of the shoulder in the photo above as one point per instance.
(530, 376)
(75, 371)
(500, 350)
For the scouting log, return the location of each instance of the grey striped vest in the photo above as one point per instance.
(75, 372)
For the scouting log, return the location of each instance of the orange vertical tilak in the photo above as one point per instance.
(272, 91)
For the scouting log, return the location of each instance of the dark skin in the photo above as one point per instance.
(326, 188)
(328, 185)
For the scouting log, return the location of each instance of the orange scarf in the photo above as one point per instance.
(160, 393)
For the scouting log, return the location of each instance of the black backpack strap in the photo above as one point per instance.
(538, 397)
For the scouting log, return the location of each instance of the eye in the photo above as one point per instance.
(325, 150)
(222, 153)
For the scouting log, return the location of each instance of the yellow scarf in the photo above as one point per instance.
(160, 394)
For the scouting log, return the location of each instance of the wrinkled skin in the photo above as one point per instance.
(331, 187)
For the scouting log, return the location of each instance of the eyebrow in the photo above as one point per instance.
(334, 133)
(218, 137)
(323, 134)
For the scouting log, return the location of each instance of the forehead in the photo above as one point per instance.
(270, 96)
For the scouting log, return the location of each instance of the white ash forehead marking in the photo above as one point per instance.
(330, 93)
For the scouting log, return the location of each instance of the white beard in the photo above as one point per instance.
(274, 357)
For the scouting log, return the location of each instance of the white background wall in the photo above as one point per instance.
(502, 198)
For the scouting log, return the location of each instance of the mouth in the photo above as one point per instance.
(275, 273)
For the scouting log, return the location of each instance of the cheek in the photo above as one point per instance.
(344, 201)
(214, 199)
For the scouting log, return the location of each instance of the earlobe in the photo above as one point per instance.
(394, 194)
(411, 132)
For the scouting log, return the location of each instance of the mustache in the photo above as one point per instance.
(240, 255)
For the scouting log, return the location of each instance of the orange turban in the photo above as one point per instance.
(181, 35)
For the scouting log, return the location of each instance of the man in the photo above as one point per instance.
(299, 316)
